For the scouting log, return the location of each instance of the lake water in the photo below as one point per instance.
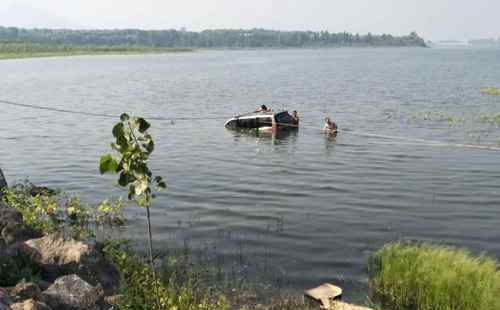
(294, 210)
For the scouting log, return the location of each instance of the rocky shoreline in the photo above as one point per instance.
(72, 274)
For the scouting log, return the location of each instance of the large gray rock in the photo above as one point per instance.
(9, 215)
(13, 232)
(58, 257)
(12, 229)
(72, 293)
(30, 304)
(54, 250)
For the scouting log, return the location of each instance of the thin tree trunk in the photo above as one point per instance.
(151, 259)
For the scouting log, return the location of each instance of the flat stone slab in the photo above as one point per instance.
(324, 294)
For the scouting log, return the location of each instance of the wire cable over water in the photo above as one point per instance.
(347, 131)
(37, 107)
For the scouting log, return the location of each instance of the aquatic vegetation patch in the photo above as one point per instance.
(452, 119)
(494, 91)
(491, 118)
(432, 277)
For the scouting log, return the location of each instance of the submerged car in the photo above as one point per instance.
(262, 120)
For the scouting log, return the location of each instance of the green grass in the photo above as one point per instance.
(13, 50)
(407, 276)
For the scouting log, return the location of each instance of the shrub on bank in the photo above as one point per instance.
(407, 276)
(51, 211)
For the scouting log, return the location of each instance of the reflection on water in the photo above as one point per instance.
(256, 136)
(330, 140)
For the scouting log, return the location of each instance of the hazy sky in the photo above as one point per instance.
(433, 19)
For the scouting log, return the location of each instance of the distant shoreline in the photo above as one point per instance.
(145, 51)
(76, 52)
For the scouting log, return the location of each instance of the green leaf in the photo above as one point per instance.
(120, 166)
(115, 147)
(131, 192)
(125, 178)
(142, 201)
(143, 125)
(107, 164)
(124, 117)
(142, 168)
(141, 186)
(122, 141)
(118, 130)
(150, 146)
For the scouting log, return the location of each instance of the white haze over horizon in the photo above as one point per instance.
(432, 19)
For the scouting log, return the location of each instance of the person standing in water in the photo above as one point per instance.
(263, 108)
(330, 126)
(295, 119)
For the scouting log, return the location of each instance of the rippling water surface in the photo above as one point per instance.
(295, 210)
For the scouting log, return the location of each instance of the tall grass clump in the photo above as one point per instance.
(414, 276)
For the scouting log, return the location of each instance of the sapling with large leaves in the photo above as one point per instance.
(134, 145)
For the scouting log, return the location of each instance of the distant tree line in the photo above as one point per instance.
(253, 38)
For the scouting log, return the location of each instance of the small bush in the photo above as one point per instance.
(50, 211)
(39, 211)
(407, 276)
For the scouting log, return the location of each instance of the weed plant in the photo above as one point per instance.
(184, 284)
